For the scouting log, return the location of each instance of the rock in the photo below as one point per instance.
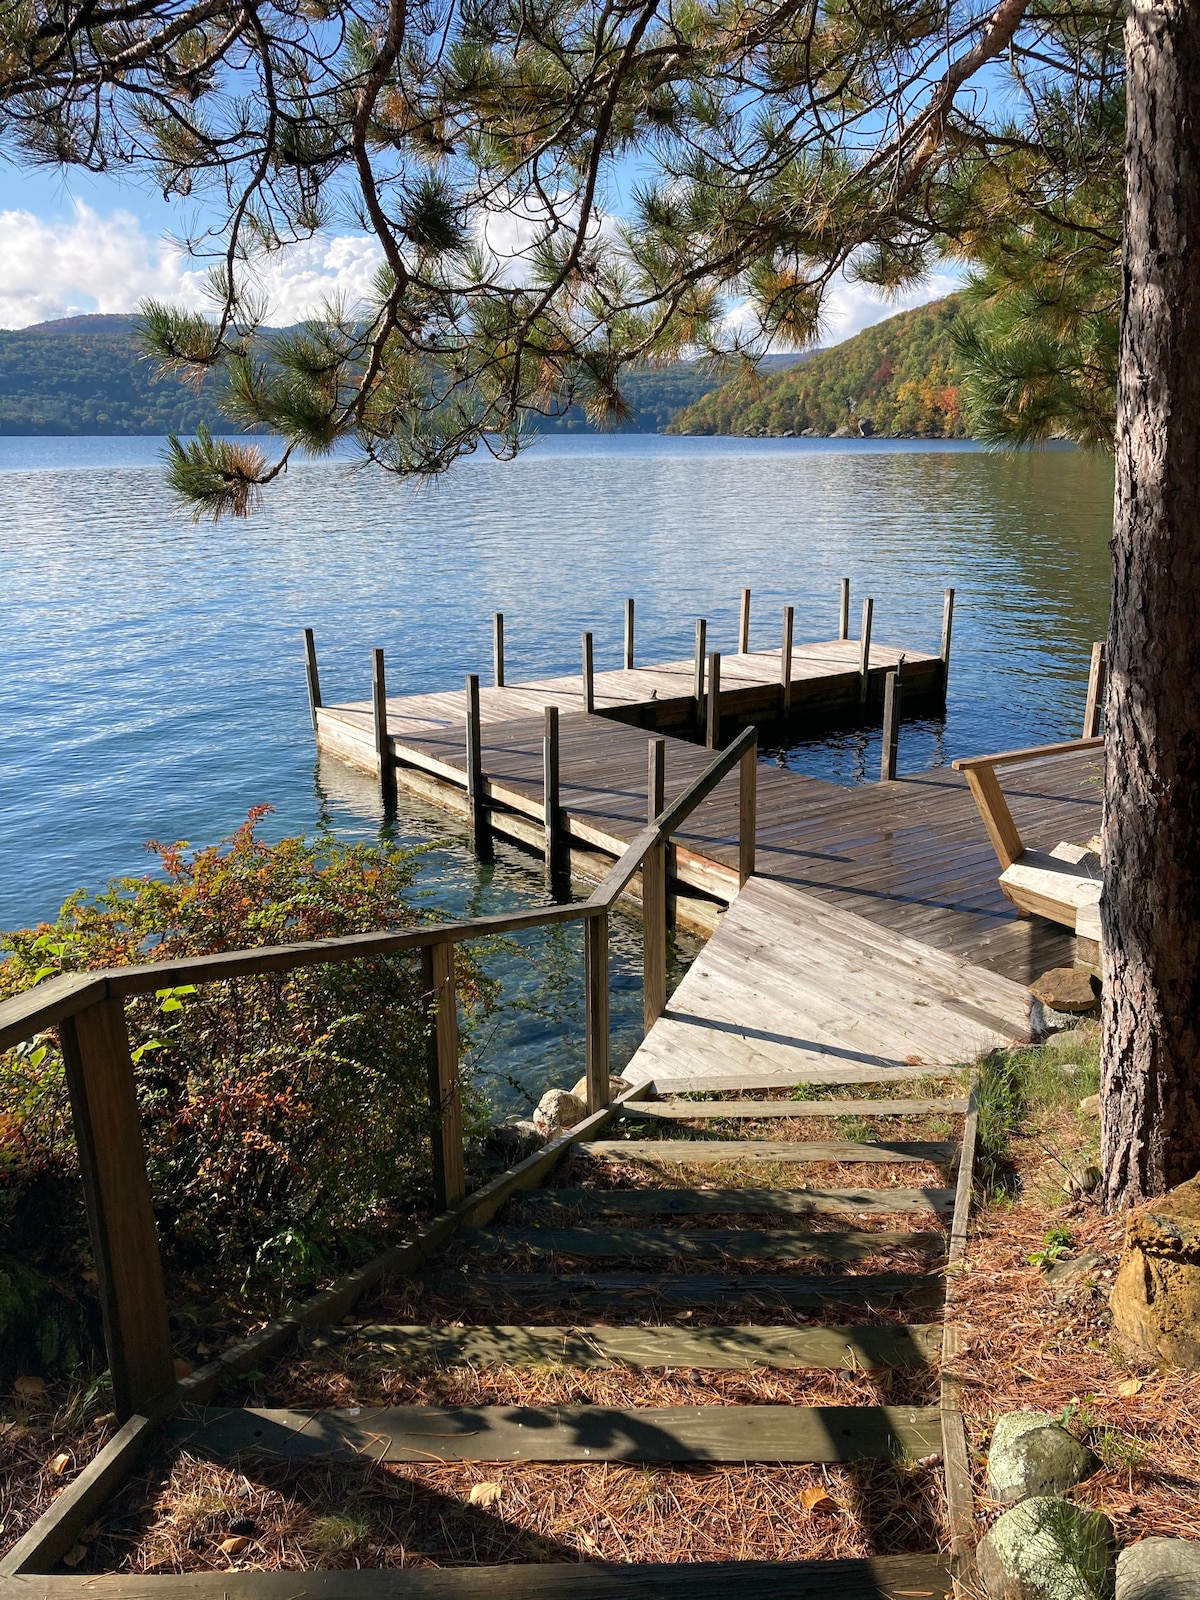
(557, 1110)
(1065, 1274)
(516, 1137)
(1064, 989)
(1076, 1032)
(1159, 1569)
(1032, 1455)
(1083, 1180)
(1156, 1298)
(616, 1086)
(1048, 1549)
(1090, 1105)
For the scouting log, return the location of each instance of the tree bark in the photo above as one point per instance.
(1150, 1093)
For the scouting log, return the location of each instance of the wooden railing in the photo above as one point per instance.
(88, 1009)
(980, 772)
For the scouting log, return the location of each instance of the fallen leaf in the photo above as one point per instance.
(484, 1494)
(818, 1499)
(588, 1543)
(234, 1545)
(60, 1464)
(74, 1555)
(1129, 1388)
(183, 1369)
(29, 1388)
(924, 1594)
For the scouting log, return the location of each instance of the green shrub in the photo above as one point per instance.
(286, 1116)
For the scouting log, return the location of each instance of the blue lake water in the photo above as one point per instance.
(151, 672)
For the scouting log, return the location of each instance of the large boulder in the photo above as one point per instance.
(1032, 1455)
(556, 1110)
(1048, 1549)
(1159, 1569)
(1156, 1297)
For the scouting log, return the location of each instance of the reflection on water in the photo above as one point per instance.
(152, 678)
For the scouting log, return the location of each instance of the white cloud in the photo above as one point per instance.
(850, 307)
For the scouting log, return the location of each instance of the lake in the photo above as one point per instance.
(153, 683)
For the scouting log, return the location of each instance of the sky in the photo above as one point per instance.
(78, 244)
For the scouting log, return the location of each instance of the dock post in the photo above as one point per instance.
(864, 664)
(629, 634)
(383, 743)
(445, 1098)
(844, 616)
(785, 660)
(595, 972)
(891, 724)
(744, 625)
(1094, 710)
(551, 814)
(698, 671)
(589, 675)
(498, 647)
(747, 813)
(475, 759)
(947, 630)
(314, 681)
(713, 735)
(654, 896)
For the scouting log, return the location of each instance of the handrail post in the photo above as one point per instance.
(891, 724)
(1094, 709)
(654, 895)
(864, 663)
(698, 671)
(844, 612)
(445, 1097)
(744, 624)
(747, 813)
(383, 743)
(116, 1186)
(785, 659)
(314, 679)
(947, 631)
(595, 974)
(589, 675)
(629, 634)
(498, 648)
(475, 759)
(551, 804)
(713, 736)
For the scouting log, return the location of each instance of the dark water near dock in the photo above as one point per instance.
(151, 673)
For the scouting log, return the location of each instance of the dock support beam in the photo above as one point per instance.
(785, 660)
(747, 813)
(595, 971)
(498, 648)
(1094, 709)
(744, 625)
(844, 615)
(437, 967)
(475, 760)
(891, 724)
(629, 634)
(947, 631)
(314, 681)
(551, 804)
(654, 895)
(589, 675)
(864, 663)
(698, 671)
(713, 734)
(383, 743)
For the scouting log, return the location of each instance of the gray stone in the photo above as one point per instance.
(1065, 1274)
(1032, 1455)
(557, 1110)
(1048, 1549)
(1159, 1569)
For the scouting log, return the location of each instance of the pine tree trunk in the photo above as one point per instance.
(1151, 1068)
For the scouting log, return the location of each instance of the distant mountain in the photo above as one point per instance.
(88, 374)
(898, 379)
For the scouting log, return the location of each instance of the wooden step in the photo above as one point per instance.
(926, 1577)
(833, 1348)
(570, 1433)
(937, 1153)
(691, 1110)
(553, 1203)
(701, 1244)
(614, 1292)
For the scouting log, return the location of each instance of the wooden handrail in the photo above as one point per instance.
(980, 773)
(1009, 758)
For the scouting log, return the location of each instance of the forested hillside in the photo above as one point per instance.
(898, 379)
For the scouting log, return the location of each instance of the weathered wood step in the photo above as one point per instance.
(570, 1433)
(622, 1291)
(932, 1152)
(551, 1203)
(871, 1578)
(691, 1110)
(833, 1348)
(702, 1244)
